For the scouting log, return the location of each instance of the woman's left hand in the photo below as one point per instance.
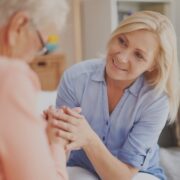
(74, 128)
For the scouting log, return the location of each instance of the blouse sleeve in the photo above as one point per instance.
(141, 142)
(25, 152)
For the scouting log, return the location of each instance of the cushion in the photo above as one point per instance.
(170, 161)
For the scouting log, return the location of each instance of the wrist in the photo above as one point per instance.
(91, 141)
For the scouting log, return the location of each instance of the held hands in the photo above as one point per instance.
(50, 115)
(71, 127)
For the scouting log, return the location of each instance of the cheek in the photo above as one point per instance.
(113, 48)
(28, 44)
(33, 46)
(109, 65)
(140, 69)
(109, 62)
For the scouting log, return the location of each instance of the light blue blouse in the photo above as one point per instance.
(131, 131)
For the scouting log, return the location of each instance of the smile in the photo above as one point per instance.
(117, 65)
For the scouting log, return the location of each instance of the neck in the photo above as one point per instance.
(118, 84)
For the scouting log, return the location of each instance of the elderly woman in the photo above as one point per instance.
(25, 153)
(126, 100)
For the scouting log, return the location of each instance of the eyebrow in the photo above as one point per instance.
(124, 36)
(141, 50)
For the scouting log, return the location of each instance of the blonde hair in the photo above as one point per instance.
(42, 12)
(165, 77)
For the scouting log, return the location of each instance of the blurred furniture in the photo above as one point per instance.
(49, 69)
(170, 161)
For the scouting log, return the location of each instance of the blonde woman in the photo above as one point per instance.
(25, 153)
(126, 100)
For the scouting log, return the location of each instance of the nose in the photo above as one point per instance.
(124, 57)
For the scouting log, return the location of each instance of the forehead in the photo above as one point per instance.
(143, 40)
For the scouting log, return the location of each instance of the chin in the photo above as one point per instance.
(116, 75)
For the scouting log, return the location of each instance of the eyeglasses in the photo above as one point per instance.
(51, 44)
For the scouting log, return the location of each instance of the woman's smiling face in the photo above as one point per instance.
(131, 54)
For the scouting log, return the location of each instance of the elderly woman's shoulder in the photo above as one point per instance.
(11, 68)
(11, 65)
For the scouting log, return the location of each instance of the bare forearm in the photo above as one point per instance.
(107, 166)
(59, 157)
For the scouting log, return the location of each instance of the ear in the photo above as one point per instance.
(17, 24)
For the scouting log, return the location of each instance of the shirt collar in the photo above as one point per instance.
(136, 86)
(99, 74)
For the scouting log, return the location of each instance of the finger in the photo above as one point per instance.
(44, 115)
(66, 135)
(72, 146)
(49, 123)
(67, 118)
(47, 114)
(57, 112)
(62, 107)
(45, 111)
(53, 112)
(77, 109)
(73, 113)
(60, 111)
(50, 112)
(63, 125)
(50, 108)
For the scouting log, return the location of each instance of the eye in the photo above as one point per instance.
(122, 41)
(139, 56)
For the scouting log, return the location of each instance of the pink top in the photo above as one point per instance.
(24, 150)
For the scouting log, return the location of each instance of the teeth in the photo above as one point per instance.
(116, 63)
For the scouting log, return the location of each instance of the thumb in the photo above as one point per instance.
(77, 109)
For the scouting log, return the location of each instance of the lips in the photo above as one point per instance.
(118, 65)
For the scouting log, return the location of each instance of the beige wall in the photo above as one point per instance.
(71, 36)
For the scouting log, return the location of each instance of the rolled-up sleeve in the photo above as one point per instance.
(137, 149)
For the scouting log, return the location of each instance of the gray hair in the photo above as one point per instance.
(42, 12)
